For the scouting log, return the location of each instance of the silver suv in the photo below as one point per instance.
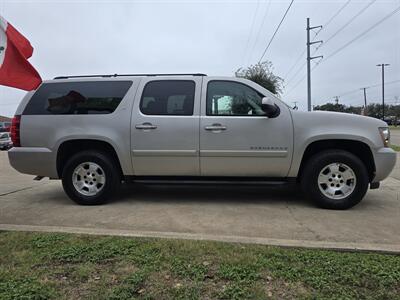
(95, 132)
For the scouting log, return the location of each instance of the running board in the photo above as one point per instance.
(210, 180)
(204, 182)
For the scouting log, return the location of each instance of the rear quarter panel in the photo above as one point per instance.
(50, 131)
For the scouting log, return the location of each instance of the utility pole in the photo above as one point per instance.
(309, 58)
(364, 111)
(383, 88)
(336, 100)
(365, 96)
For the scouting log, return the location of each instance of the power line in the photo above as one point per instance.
(348, 22)
(301, 79)
(332, 18)
(363, 33)
(378, 84)
(296, 62)
(323, 27)
(251, 31)
(344, 46)
(368, 87)
(336, 14)
(301, 67)
(276, 30)
(264, 18)
(297, 72)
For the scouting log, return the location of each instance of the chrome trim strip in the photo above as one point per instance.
(240, 153)
(165, 152)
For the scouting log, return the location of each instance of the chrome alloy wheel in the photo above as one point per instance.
(88, 178)
(337, 181)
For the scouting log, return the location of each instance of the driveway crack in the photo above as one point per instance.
(20, 190)
(300, 223)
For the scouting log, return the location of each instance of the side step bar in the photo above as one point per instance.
(209, 180)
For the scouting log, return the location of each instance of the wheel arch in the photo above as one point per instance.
(358, 148)
(69, 148)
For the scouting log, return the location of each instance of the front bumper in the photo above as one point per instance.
(385, 160)
(33, 160)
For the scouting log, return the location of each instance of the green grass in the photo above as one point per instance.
(394, 127)
(395, 148)
(67, 266)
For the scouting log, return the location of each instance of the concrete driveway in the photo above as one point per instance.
(395, 136)
(268, 215)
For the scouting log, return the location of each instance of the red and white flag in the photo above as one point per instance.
(15, 49)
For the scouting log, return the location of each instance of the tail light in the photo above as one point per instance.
(15, 135)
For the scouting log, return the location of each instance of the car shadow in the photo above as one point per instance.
(211, 193)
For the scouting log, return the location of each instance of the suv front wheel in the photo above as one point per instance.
(90, 178)
(335, 179)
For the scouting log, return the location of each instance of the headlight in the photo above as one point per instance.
(385, 135)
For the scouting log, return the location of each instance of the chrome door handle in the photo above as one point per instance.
(215, 127)
(146, 126)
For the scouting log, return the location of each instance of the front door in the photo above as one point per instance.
(165, 127)
(236, 138)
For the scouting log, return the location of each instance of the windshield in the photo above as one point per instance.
(4, 136)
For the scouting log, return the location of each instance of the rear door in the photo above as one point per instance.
(165, 127)
(236, 138)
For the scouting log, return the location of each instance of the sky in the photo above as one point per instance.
(216, 38)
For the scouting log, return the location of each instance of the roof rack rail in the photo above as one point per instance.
(125, 75)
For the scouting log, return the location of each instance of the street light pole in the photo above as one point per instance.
(383, 88)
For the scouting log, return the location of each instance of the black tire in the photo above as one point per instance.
(315, 165)
(111, 173)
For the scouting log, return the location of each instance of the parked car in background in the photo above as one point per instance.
(94, 132)
(5, 141)
(5, 126)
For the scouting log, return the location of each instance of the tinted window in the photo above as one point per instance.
(168, 97)
(66, 98)
(225, 98)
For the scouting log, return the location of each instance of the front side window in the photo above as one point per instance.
(74, 98)
(226, 98)
(168, 97)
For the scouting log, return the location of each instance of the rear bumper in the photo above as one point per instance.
(385, 160)
(33, 160)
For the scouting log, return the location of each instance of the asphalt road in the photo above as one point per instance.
(270, 215)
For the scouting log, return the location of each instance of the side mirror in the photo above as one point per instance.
(270, 108)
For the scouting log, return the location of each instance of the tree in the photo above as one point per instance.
(392, 115)
(339, 108)
(261, 73)
(331, 107)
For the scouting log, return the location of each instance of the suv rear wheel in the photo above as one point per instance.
(90, 178)
(335, 179)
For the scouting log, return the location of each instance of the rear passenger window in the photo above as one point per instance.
(168, 97)
(70, 98)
